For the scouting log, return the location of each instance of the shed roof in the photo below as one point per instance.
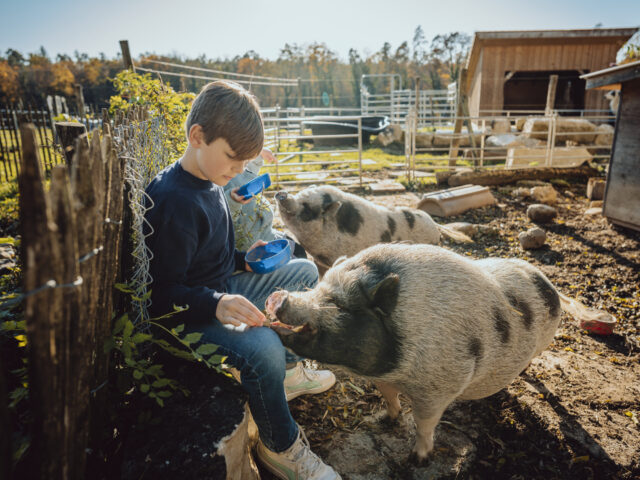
(612, 77)
(532, 37)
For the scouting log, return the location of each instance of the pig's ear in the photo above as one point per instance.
(385, 294)
(332, 208)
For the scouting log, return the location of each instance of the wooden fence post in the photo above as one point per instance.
(126, 56)
(457, 128)
(75, 400)
(108, 269)
(5, 439)
(80, 101)
(43, 307)
(551, 94)
(68, 132)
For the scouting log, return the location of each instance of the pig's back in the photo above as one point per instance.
(468, 327)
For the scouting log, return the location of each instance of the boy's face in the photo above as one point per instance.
(215, 162)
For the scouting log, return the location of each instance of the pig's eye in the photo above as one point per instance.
(308, 214)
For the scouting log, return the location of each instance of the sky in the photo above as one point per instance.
(224, 29)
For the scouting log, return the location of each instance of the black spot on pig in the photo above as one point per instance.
(475, 348)
(349, 219)
(391, 223)
(502, 325)
(523, 308)
(385, 237)
(308, 213)
(547, 292)
(326, 200)
(411, 218)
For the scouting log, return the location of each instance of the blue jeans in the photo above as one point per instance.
(258, 352)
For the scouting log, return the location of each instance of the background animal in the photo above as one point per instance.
(330, 223)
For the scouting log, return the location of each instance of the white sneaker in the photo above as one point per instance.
(301, 381)
(298, 462)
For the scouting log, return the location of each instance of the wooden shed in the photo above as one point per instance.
(622, 193)
(510, 70)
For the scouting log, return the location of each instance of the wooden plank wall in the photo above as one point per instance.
(498, 59)
(622, 195)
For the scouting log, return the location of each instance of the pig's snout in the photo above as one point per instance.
(286, 203)
(275, 301)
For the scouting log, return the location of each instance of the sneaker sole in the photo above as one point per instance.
(266, 463)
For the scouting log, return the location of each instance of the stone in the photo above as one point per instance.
(387, 186)
(594, 211)
(595, 203)
(531, 183)
(576, 129)
(604, 137)
(501, 125)
(518, 157)
(532, 238)
(522, 192)
(392, 134)
(520, 121)
(546, 194)
(424, 139)
(595, 188)
(539, 213)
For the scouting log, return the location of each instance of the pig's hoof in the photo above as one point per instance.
(389, 421)
(418, 460)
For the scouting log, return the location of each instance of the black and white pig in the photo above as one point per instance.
(330, 223)
(424, 321)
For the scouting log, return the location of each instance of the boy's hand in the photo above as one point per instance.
(236, 310)
(237, 198)
(259, 243)
(268, 156)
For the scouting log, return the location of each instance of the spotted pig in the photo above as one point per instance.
(330, 223)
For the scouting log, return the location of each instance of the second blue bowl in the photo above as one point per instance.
(269, 257)
(255, 186)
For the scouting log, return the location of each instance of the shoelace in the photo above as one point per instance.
(312, 462)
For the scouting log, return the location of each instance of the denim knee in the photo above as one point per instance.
(309, 273)
(267, 361)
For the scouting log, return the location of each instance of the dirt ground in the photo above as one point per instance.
(573, 414)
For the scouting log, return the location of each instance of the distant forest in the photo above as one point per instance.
(30, 77)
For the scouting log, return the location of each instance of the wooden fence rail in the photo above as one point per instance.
(70, 244)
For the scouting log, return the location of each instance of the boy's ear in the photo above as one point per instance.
(196, 136)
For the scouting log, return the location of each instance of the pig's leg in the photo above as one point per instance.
(426, 419)
(390, 394)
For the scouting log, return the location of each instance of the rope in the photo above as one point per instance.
(200, 69)
(186, 75)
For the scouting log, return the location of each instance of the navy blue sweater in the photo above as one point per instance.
(192, 243)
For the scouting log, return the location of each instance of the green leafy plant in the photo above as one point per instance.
(141, 90)
(131, 341)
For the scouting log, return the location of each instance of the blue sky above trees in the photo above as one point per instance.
(222, 28)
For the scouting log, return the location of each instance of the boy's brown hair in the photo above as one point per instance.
(226, 110)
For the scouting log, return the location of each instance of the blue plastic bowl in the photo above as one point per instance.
(255, 186)
(269, 257)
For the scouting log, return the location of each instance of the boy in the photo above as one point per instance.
(192, 242)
